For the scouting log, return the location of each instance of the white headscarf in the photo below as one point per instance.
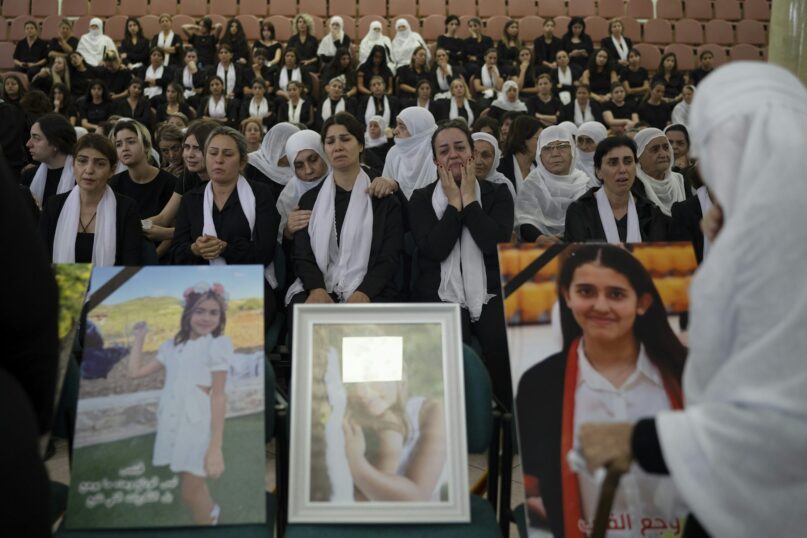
(104, 245)
(570, 127)
(680, 114)
(502, 102)
(585, 159)
(94, 44)
(273, 148)
(405, 43)
(246, 199)
(662, 192)
(374, 37)
(544, 197)
(381, 140)
(294, 189)
(582, 115)
(463, 278)
(327, 47)
(342, 265)
(736, 452)
(66, 182)
(409, 161)
(494, 176)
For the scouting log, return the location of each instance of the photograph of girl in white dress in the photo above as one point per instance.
(173, 434)
(375, 436)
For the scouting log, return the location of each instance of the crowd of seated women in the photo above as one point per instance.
(396, 185)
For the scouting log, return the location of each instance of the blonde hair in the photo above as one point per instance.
(309, 23)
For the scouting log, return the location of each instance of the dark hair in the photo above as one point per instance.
(349, 122)
(506, 38)
(21, 90)
(490, 123)
(179, 90)
(615, 85)
(592, 61)
(193, 299)
(679, 128)
(101, 144)
(572, 22)
(187, 50)
(582, 86)
(138, 81)
(635, 51)
(126, 36)
(58, 131)
(31, 22)
(105, 91)
(522, 129)
(292, 50)
(168, 131)
(207, 22)
(36, 103)
(460, 124)
(660, 69)
(704, 53)
(423, 81)
(451, 18)
(610, 143)
(200, 129)
(652, 329)
(268, 24)
(614, 21)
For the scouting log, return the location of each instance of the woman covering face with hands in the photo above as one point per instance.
(457, 222)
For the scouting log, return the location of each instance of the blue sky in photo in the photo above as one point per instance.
(240, 281)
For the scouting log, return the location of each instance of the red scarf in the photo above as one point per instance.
(572, 511)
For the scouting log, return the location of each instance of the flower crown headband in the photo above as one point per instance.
(191, 295)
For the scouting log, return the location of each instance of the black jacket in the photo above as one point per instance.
(583, 221)
(394, 106)
(686, 224)
(567, 112)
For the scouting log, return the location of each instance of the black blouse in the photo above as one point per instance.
(407, 75)
(205, 46)
(129, 237)
(583, 222)
(546, 52)
(585, 44)
(175, 59)
(599, 81)
(635, 79)
(96, 113)
(455, 48)
(187, 182)
(55, 46)
(255, 175)
(490, 223)
(151, 197)
(141, 112)
(672, 87)
(507, 56)
(385, 250)
(136, 53)
(32, 53)
(305, 51)
(548, 108)
(623, 112)
(51, 180)
(243, 246)
(477, 49)
(655, 115)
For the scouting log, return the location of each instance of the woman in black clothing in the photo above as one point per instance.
(298, 108)
(269, 164)
(565, 77)
(204, 38)
(258, 107)
(544, 105)
(525, 74)
(476, 46)
(229, 71)
(634, 77)
(80, 74)
(443, 74)
(409, 75)
(192, 78)
(258, 70)
(341, 67)
(231, 220)
(611, 213)
(459, 105)
(304, 42)
(168, 42)
(235, 37)
(174, 102)
(519, 151)
(617, 45)
(13, 89)
(64, 43)
(216, 106)
(135, 105)
(619, 115)
(577, 42)
(96, 107)
(653, 110)
(546, 47)
(599, 76)
(673, 79)
(156, 75)
(116, 77)
(134, 48)
(452, 44)
(368, 229)
(457, 221)
(90, 223)
(63, 103)
(291, 70)
(335, 40)
(508, 48)
(376, 65)
(271, 47)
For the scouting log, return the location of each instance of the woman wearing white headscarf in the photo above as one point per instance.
(405, 43)
(269, 164)
(662, 186)
(507, 101)
(736, 451)
(588, 136)
(550, 188)
(376, 143)
(375, 37)
(94, 43)
(486, 161)
(405, 163)
(335, 40)
(310, 166)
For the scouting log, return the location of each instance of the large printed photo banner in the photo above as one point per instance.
(378, 415)
(596, 333)
(170, 419)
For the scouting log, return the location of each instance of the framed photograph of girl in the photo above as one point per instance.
(596, 334)
(377, 408)
(170, 419)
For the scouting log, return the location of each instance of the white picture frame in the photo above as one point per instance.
(437, 325)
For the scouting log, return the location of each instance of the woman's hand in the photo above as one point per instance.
(358, 297)
(547, 240)
(606, 445)
(468, 183)
(157, 233)
(298, 219)
(712, 222)
(382, 187)
(319, 296)
(214, 462)
(209, 247)
(450, 188)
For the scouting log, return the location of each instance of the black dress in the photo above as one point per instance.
(55, 46)
(635, 79)
(490, 223)
(654, 115)
(116, 81)
(151, 197)
(686, 224)
(585, 44)
(136, 53)
(672, 87)
(141, 112)
(545, 52)
(455, 48)
(305, 51)
(599, 82)
(187, 182)
(96, 113)
(205, 46)
(129, 237)
(583, 222)
(549, 108)
(385, 250)
(476, 50)
(623, 112)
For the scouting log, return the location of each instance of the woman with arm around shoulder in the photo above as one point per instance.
(457, 221)
(612, 213)
(90, 223)
(368, 230)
